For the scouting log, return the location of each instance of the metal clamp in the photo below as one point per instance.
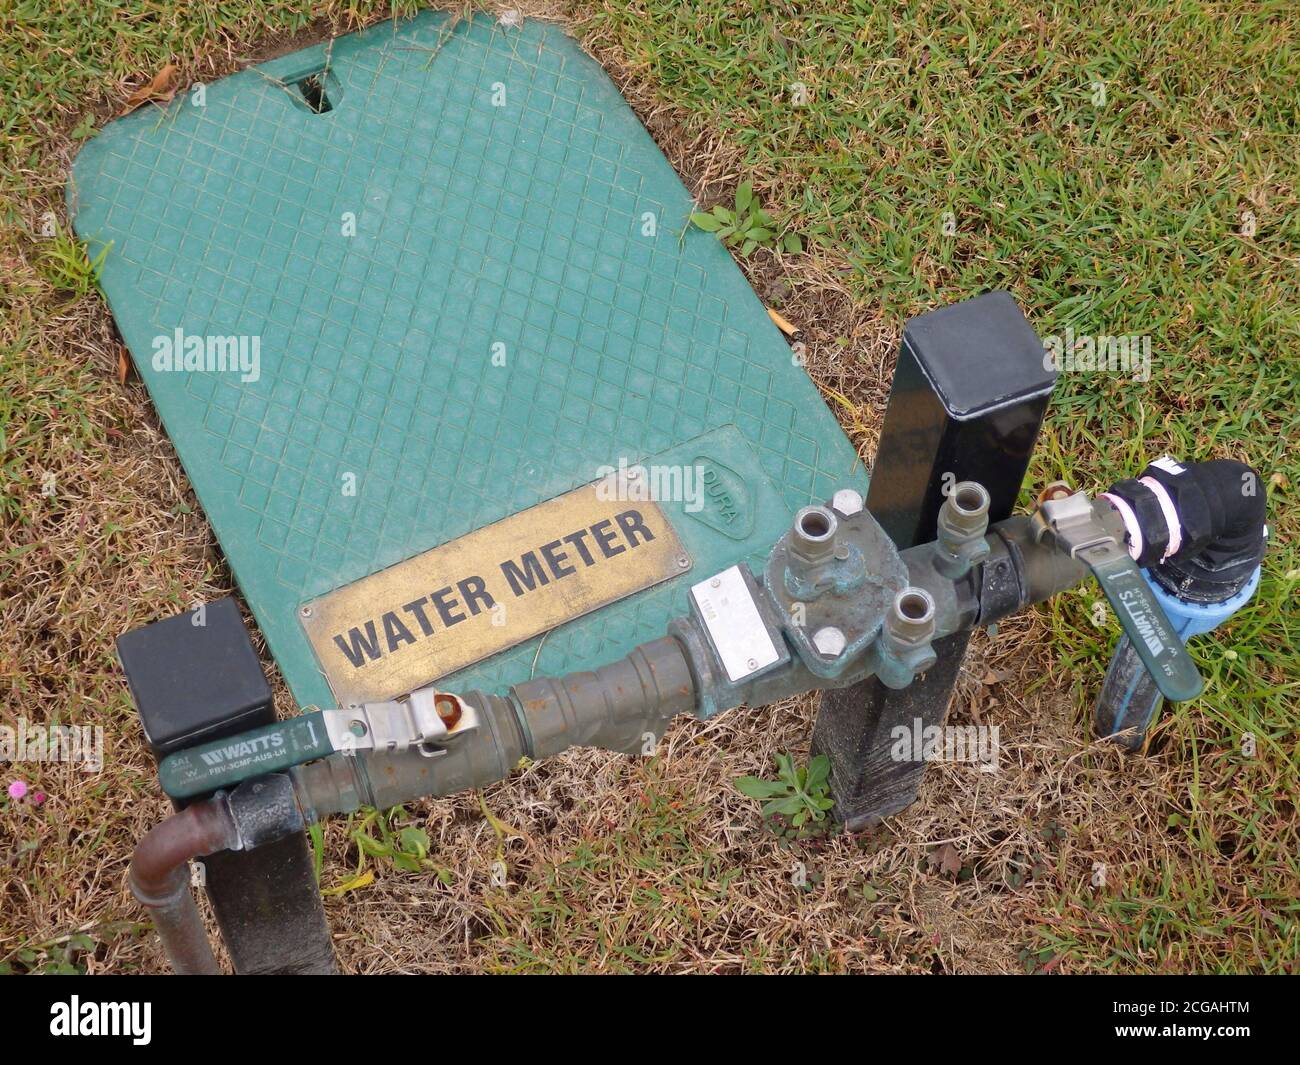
(423, 718)
(1071, 521)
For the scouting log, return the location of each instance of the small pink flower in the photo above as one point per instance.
(17, 789)
(38, 797)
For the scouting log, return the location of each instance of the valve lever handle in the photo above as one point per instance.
(425, 717)
(1077, 531)
(1144, 621)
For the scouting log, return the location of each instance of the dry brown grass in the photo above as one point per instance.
(611, 863)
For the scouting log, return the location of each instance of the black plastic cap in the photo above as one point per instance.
(193, 682)
(1007, 363)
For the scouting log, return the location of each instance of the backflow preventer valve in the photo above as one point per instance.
(835, 603)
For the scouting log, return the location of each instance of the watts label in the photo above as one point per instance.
(440, 611)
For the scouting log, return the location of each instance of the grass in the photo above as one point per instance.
(569, 927)
(940, 151)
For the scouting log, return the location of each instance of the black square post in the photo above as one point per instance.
(968, 398)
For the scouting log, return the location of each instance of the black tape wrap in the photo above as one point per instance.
(1221, 507)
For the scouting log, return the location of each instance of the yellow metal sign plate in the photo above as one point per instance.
(404, 627)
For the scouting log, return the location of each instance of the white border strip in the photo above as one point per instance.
(1135, 543)
(1170, 512)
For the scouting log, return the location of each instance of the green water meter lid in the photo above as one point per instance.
(387, 290)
